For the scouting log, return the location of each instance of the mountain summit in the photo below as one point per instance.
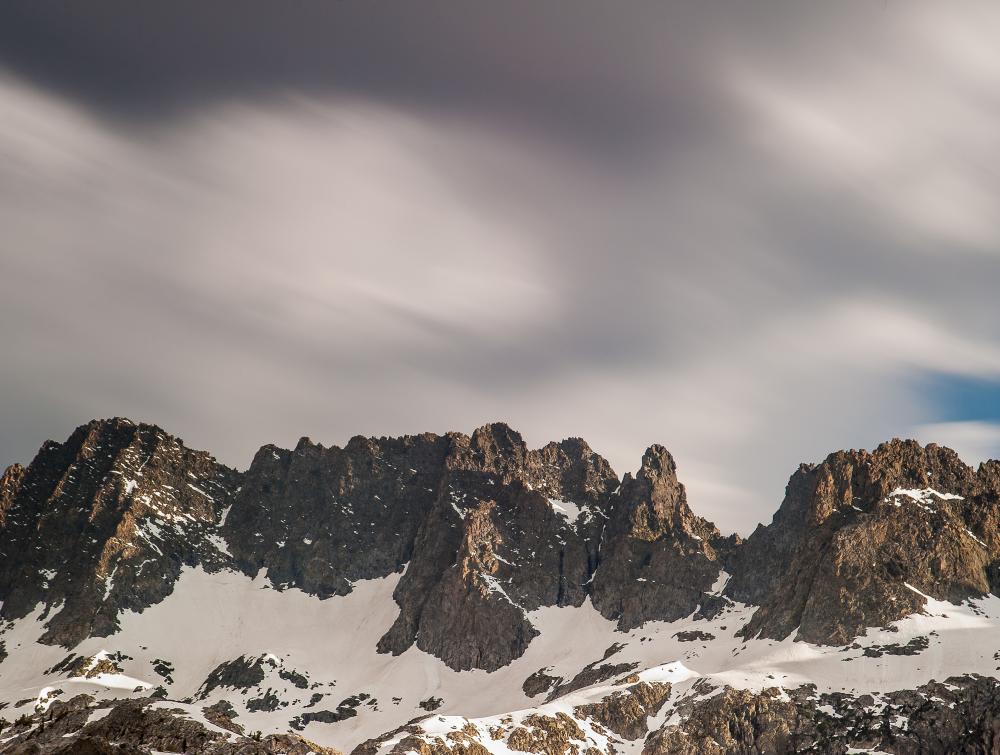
(464, 595)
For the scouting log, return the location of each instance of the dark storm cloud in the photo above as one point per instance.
(574, 70)
(747, 231)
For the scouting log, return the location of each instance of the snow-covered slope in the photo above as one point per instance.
(319, 656)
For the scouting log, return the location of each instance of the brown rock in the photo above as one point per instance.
(551, 735)
(660, 560)
(626, 713)
(841, 549)
(103, 523)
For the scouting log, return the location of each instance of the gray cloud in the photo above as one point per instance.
(744, 232)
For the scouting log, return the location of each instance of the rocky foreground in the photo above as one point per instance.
(468, 595)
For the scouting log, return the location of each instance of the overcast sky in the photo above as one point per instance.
(755, 232)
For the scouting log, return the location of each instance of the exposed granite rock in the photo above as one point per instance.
(93, 666)
(960, 715)
(266, 701)
(694, 635)
(49, 726)
(348, 708)
(461, 742)
(558, 734)
(156, 728)
(222, 714)
(103, 523)
(241, 673)
(322, 518)
(495, 546)
(476, 623)
(659, 560)
(135, 727)
(540, 682)
(593, 673)
(10, 484)
(407, 730)
(734, 721)
(854, 531)
(488, 531)
(627, 713)
(548, 735)
(914, 646)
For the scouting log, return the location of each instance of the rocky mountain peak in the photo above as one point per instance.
(658, 560)
(817, 491)
(497, 439)
(657, 463)
(654, 502)
(860, 537)
(99, 523)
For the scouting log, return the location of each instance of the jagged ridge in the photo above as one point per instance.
(480, 534)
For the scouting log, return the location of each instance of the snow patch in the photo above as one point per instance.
(568, 510)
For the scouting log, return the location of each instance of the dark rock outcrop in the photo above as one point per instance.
(322, 518)
(960, 715)
(136, 727)
(859, 535)
(658, 560)
(241, 673)
(512, 530)
(103, 523)
(10, 484)
(627, 713)
(469, 517)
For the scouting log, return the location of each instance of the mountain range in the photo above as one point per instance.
(467, 595)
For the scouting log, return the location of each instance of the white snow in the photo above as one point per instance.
(720, 582)
(200, 491)
(97, 714)
(567, 509)
(210, 619)
(924, 495)
(970, 534)
(115, 681)
(218, 543)
(45, 698)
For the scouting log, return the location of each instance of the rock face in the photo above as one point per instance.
(959, 715)
(659, 560)
(512, 530)
(103, 523)
(322, 518)
(627, 713)
(859, 537)
(734, 721)
(469, 518)
(138, 727)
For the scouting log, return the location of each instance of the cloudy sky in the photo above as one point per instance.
(753, 232)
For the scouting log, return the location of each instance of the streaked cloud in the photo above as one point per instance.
(750, 236)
